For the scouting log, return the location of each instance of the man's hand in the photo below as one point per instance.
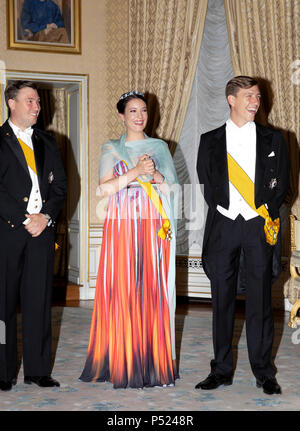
(37, 224)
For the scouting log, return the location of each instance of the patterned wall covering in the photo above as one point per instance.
(117, 83)
(91, 62)
(117, 62)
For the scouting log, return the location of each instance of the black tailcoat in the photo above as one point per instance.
(26, 263)
(212, 171)
(226, 241)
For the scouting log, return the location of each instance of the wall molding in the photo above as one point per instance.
(191, 280)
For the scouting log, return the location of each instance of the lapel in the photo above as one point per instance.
(38, 148)
(220, 163)
(13, 143)
(263, 148)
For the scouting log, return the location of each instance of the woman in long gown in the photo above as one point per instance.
(132, 334)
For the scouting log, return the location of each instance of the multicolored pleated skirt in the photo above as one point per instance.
(130, 339)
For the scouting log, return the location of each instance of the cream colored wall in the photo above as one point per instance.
(96, 25)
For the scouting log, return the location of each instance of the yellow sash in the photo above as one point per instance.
(29, 155)
(241, 181)
(165, 231)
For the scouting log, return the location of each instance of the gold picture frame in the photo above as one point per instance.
(62, 35)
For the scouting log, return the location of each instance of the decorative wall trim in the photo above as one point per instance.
(74, 270)
(188, 262)
(191, 280)
(95, 241)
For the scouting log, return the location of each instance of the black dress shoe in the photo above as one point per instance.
(213, 381)
(6, 386)
(43, 381)
(269, 384)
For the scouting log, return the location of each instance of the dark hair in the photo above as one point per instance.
(233, 86)
(12, 89)
(121, 105)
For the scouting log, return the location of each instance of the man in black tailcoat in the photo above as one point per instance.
(32, 190)
(236, 226)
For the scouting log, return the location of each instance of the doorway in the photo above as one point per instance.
(64, 114)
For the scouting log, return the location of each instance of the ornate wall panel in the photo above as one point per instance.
(116, 83)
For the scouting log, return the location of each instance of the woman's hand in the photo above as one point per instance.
(145, 166)
(110, 185)
(158, 177)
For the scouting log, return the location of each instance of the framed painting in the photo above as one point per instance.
(44, 25)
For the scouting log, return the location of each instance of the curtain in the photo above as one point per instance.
(264, 41)
(207, 109)
(164, 43)
(54, 119)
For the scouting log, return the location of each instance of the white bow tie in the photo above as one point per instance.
(27, 131)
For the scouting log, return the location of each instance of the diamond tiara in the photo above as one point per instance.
(131, 93)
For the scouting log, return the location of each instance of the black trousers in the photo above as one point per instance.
(26, 266)
(226, 240)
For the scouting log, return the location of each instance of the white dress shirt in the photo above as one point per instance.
(241, 145)
(35, 200)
